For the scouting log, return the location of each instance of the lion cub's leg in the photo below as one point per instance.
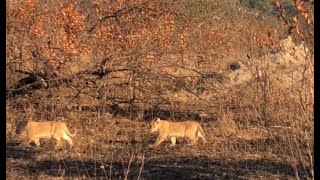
(36, 141)
(194, 140)
(191, 135)
(58, 139)
(68, 139)
(58, 146)
(202, 137)
(161, 137)
(173, 141)
(25, 143)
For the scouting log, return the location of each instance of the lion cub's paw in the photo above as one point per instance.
(152, 146)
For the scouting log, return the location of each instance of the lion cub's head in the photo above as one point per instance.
(154, 125)
(21, 128)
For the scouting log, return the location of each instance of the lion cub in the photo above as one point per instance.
(167, 129)
(45, 129)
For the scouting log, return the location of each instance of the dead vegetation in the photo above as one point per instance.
(244, 70)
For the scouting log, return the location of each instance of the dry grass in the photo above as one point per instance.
(254, 101)
(112, 148)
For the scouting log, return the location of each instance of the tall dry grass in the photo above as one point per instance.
(261, 117)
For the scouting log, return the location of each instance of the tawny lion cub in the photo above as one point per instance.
(45, 129)
(167, 129)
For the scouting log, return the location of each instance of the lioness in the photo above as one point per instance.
(45, 129)
(190, 129)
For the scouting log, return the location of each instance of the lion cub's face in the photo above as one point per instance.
(21, 128)
(154, 125)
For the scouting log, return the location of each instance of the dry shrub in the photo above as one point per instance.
(226, 125)
(208, 60)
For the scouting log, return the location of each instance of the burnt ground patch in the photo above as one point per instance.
(169, 167)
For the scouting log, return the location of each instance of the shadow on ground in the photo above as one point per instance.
(15, 152)
(183, 168)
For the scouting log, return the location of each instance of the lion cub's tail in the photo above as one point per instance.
(201, 133)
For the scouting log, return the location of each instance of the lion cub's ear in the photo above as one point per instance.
(158, 119)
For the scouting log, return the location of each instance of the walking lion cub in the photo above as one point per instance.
(45, 129)
(168, 129)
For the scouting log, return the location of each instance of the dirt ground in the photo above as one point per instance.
(119, 149)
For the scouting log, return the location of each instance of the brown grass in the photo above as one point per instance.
(107, 147)
(254, 100)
